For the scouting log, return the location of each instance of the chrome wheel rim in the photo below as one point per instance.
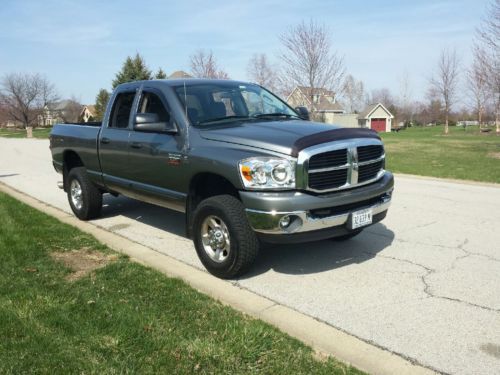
(215, 238)
(76, 194)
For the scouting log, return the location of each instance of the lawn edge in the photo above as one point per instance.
(322, 337)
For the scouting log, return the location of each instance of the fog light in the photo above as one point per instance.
(285, 221)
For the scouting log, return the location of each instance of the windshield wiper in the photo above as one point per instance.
(224, 118)
(275, 114)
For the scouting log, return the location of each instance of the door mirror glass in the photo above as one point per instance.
(150, 122)
(303, 113)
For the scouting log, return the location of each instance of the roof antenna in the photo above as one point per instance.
(186, 143)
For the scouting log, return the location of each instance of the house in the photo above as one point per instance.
(320, 102)
(376, 117)
(88, 113)
(62, 111)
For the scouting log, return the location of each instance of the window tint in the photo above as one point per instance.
(121, 110)
(151, 103)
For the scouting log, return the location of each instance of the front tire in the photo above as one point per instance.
(226, 244)
(84, 197)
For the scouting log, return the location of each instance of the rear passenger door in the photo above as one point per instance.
(113, 142)
(155, 163)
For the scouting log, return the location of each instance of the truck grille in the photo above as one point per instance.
(345, 167)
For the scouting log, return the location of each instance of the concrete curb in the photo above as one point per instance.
(320, 336)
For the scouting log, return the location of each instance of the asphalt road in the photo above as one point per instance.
(424, 283)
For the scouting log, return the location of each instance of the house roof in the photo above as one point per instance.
(179, 74)
(59, 106)
(91, 109)
(317, 91)
(324, 103)
(371, 108)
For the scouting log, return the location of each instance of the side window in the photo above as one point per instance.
(120, 113)
(151, 103)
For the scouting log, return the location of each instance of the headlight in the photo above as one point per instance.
(267, 173)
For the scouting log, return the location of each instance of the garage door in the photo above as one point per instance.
(378, 124)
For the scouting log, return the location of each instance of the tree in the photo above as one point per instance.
(353, 93)
(101, 102)
(260, 71)
(25, 96)
(405, 104)
(487, 53)
(445, 81)
(160, 74)
(204, 65)
(133, 69)
(71, 111)
(383, 96)
(309, 58)
(479, 89)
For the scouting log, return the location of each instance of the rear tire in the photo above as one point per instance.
(348, 236)
(226, 244)
(84, 197)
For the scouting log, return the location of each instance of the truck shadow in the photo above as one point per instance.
(155, 216)
(320, 256)
(297, 259)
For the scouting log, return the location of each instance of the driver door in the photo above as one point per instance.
(156, 162)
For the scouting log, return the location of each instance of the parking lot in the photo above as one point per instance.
(423, 284)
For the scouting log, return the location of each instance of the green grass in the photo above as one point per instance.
(21, 133)
(123, 318)
(426, 151)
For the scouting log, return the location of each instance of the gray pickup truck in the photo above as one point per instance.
(242, 165)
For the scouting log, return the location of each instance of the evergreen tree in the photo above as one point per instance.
(101, 101)
(133, 69)
(160, 74)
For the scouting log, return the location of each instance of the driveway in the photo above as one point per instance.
(424, 283)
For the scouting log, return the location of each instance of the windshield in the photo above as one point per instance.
(212, 103)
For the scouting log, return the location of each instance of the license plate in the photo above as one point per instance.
(361, 218)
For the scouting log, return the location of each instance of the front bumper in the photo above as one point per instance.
(314, 216)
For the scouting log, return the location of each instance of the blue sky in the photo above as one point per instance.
(80, 45)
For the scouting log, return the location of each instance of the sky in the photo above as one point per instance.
(81, 45)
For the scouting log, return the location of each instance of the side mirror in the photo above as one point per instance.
(150, 122)
(303, 113)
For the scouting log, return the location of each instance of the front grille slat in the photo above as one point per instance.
(328, 159)
(328, 180)
(371, 152)
(322, 179)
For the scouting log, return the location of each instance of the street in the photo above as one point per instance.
(424, 283)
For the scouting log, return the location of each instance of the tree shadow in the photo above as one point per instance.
(149, 214)
(321, 256)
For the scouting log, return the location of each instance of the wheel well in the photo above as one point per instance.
(203, 186)
(70, 160)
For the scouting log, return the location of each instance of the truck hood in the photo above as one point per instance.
(278, 136)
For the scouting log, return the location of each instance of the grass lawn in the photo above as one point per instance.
(21, 133)
(122, 317)
(426, 151)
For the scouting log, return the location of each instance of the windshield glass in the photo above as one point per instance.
(211, 103)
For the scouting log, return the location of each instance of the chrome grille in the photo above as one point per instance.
(341, 165)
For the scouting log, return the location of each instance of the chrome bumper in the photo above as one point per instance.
(302, 221)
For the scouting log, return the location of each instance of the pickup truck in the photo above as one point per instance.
(243, 166)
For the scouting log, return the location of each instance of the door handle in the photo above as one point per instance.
(136, 145)
(105, 140)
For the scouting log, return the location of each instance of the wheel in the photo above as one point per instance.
(224, 241)
(84, 197)
(348, 236)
